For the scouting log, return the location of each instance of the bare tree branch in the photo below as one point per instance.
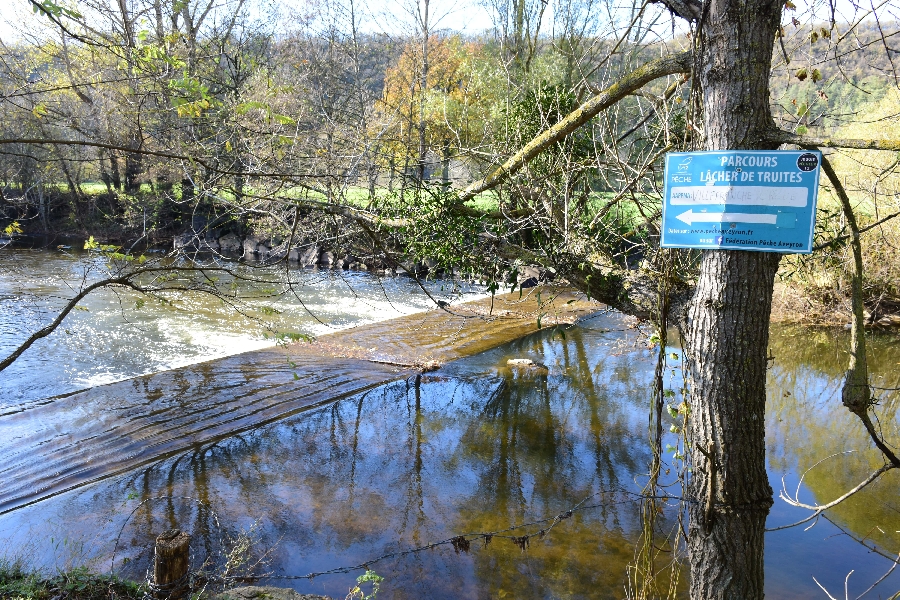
(841, 238)
(820, 508)
(69, 307)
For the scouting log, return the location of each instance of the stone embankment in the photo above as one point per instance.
(881, 320)
(303, 254)
(312, 254)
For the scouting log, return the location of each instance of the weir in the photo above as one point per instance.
(64, 442)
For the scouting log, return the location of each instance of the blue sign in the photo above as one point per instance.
(741, 200)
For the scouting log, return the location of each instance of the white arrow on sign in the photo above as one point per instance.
(690, 217)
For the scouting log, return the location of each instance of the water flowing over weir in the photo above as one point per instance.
(57, 444)
(117, 334)
(60, 443)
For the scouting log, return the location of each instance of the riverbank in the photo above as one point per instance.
(792, 304)
(17, 583)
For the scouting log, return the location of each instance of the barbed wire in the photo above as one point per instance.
(460, 543)
(146, 501)
(463, 542)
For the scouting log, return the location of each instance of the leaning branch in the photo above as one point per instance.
(856, 394)
(69, 307)
(780, 136)
(667, 65)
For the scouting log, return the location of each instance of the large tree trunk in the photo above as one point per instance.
(728, 323)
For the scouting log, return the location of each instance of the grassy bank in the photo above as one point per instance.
(18, 583)
(815, 288)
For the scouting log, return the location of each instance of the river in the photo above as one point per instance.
(117, 334)
(474, 447)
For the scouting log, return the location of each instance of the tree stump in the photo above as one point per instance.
(170, 564)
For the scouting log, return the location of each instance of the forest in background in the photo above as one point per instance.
(141, 123)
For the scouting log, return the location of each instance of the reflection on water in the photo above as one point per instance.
(474, 447)
(118, 334)
(478, 447)
(806, 424)
(62, 443)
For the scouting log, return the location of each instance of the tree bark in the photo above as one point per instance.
(728, 323)
(728, 334)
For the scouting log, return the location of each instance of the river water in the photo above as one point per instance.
(475, 447)
(116, 334)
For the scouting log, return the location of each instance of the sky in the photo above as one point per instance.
(393, 16)
(458, 15)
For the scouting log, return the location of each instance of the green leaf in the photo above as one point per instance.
(284, 120)
(244, 107)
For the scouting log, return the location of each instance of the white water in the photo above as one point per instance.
(112, 337)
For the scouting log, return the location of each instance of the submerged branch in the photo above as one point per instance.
(856, 394)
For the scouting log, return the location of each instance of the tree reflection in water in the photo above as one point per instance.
(478, 447)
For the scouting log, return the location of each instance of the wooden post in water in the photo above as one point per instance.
(170, 564)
